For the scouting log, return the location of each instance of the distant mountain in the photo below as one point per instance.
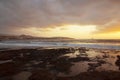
(63, 39)
(29, 37)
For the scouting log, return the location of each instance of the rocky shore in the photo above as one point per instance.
(59, 64)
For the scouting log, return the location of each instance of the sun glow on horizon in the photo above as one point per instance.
(73, 31)
(81, 28)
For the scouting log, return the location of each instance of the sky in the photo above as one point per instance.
(80, 19)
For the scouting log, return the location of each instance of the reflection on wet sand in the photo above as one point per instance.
(59, 64)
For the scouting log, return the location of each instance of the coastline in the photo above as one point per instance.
(60, 63)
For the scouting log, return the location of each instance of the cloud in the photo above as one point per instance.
(15, 14)
(111, 27)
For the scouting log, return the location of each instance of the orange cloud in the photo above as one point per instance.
(109, 28)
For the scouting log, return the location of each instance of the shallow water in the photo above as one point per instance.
(96, 57)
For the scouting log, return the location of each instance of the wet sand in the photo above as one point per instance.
(59, 64)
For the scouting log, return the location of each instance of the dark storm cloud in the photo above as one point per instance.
(43, 13)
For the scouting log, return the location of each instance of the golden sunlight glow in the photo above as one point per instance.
(112, 35)
(80, 29)
(73, 31)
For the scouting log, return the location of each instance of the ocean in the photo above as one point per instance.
(34, 44)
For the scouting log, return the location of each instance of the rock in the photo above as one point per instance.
(24, 75)
(41, 75)
(64, 78)
(118, 61)
(78, 59)
(8, 69)
(6, 56)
